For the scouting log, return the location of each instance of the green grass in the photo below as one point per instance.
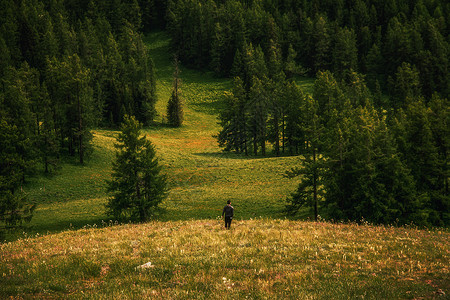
(201, 177)
(256, 259)
(72, 250)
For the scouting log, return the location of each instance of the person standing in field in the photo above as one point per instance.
(228, 211)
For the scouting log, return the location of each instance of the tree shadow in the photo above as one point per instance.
(239, 156)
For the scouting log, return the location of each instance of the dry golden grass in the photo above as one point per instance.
(256, 259)
(198, 259)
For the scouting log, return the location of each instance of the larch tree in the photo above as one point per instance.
(309, 190)
(345, 54)
(137, 184)
(175, 115)
(14, 206)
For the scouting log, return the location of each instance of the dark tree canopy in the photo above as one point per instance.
(137, 186)
(65, 67)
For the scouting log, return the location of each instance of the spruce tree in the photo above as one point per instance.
(233, 119)
(14, 206)
(321, 40)
(175, 115)
(292, 134)
(137, 185)
(258, 114)
(345, 54)
(309, 190)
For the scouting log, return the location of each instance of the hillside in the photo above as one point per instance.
(256, 259)
(72, 250)
(201, 176)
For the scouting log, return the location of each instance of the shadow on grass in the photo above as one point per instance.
(155, 125)
(212, 108)
(241, 156)
(52, 227)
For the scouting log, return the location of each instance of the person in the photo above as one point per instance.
(228, 211)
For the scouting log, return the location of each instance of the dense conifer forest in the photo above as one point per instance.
(373, 135)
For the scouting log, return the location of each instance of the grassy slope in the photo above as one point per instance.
(197, 259)
(201, 176)
(256, 259)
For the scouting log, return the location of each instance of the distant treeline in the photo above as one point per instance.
(373, 136)
(372, 37)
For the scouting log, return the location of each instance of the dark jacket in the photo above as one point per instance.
(228, 210)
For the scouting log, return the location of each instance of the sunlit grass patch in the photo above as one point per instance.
(256, 259)
(201, 177)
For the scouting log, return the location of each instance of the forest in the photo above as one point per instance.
(373, 135)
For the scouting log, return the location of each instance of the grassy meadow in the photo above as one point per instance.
(256, 259)
(72, 250)
(201, 177)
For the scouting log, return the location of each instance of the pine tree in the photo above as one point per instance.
(373, 66)
(321, 49)
(292, 133)
(345, 54)
(80, 105)
(20, 89)
(233, 119)
(396, 46)
(14, 206)
(113, 92)
(439, 110)
(309, 191)
(175, 115)
(217, 50)
(419, 150)
(406, 86)
(365, 178)
(275, 89)
(47, 136)
(354, 87)
(137, 185)
(291, 67)
(328, 95)
(258, 114)
(139, 78)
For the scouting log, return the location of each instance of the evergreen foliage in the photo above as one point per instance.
(373, 136)
(309, 192)
(377, 150)
(65, 67)
(366, 36)
(137, 185)
(175, 113)
(14, 207)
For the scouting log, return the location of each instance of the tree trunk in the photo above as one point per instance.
(80, 127)
(277, 135)
(316, 213)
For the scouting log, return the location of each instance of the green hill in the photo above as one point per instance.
(191, 255)
(201, 177)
